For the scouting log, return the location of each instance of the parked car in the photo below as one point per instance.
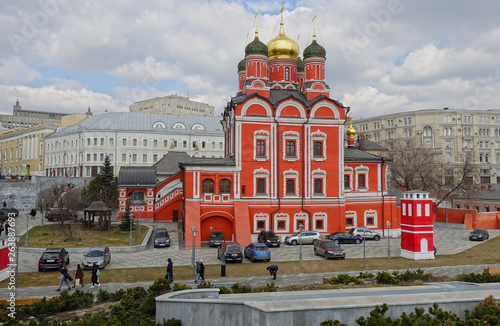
(59, 214)
(216, 238)
(257, 251)
(308, 237)
(328, 249)
(479, 234)
(5, 211)
(53, 258)
(366, 234)
(344, 237)
(99, 255)
(161, 238)
(231, 251)
(269, 238)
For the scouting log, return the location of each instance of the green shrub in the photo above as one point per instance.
(160, 286)
(181, 286)
(478, 278)
(365, 275)
(171, 322)
(385, 278)
(270, 287)
(410, 276)
(224, 290)
(332, 323)
(347, 279)
(237, 288)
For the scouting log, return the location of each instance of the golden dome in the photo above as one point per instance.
(351, 132)
(282, 47)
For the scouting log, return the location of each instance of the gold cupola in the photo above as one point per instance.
(281, 46)
(351, 132)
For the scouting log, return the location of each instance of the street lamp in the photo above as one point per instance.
(43, 204)
(27, 228)
(130, 216)
(388, 224)
(139, 219)
(300, 240)
(364, 247)
(193, 230)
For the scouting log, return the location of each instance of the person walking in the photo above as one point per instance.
(33, 213)
(95, 276)
(170, 268)
(273, 270)
(4, 204)
(7, 226)
(64, 277)
(202, 270)
(78, 276)
(2, 228)
(199, 268)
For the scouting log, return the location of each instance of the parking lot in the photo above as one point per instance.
(447, 241)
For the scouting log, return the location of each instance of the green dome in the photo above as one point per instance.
(256, 47)
(242, 65)
(300, 65)
(314, 50)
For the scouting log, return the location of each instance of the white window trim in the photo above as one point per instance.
(260, 174)
(300, 216)
(318, 174)
(362, 170)
(291, 135)
(281, 217)
(318, 136)
(354, 216)
(260, 217)
(373, 214)
(350, 172)
(321, 216)
(291, 174)
(261, 135)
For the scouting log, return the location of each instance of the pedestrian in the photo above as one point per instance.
(2, 228)
(7, 226)
(170, 267)
(4, 204)
(273, 270)
(64, 277)
(202, 270)
(95, 276)
(78, 276)
(33, 213)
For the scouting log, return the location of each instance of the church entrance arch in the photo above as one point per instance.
(216, 223)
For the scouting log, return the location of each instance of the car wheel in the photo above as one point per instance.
(315, 252)
(376, 238)
(67, 263)
(294, 242)
(342, 258)
(40, 269)
(358, 241)
(252, 259)
(315, 241)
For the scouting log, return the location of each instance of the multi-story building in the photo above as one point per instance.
(29, 118)
(129, 139)
(449, 133)
(21, 149)
(173, 104)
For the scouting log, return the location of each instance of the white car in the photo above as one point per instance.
(366, 233)
(307, 237)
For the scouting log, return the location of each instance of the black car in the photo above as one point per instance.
(231, 251)
(53, 258)
(162, 238)
(269, 238)
(59, 214)
(217, 238)
(479, 235)
(5, 211)
(344, 237)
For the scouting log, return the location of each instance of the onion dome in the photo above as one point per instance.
(351, 132)
(314, 50)
(300, 65)
(242, 65)
(283, 47)
(256, 47)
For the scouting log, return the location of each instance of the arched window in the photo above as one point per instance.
(287, 73)
(260, 225)
(486, 208)
(349, 221)
(318, 186)
(290, 148)
(281, 225)
(361, 181)
(319, 224)
(137, 198)
(225, 186)
(261, 148)
(208, 186)
(318, 149)
(369, 221)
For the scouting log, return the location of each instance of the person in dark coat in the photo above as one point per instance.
(33, 213)
(273, 270)
(202, 271)
(64, 277)
(95, 276)
(170, 271)
(78, 276)
(4, 204)
(2, 228)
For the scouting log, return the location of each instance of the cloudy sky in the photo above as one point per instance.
(382, 56)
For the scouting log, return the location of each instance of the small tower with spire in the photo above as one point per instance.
(256, 67)
(351, 135)
(314, 66)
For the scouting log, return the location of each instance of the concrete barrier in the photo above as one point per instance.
(455, 226)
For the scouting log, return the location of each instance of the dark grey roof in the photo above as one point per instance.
(356, 155)
(278, 95)
(137, 176)
(144, 122)
(226, 161)
(97, 206)
(367, 144)
(492, 195)
(169, 163)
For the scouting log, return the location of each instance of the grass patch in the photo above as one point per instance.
(52, 236)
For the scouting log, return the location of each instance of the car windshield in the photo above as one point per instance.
(162, 234)
(331, 245)
(261, 248)
(233, 249)
(50, 255)
(477, 231)
(95, 253)
(270, 235)
(217, 235)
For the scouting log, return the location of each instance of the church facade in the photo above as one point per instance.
(286, 163)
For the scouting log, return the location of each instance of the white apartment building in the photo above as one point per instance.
(173, 104)
(129, 139)
(449, 133)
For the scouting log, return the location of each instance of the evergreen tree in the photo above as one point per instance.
(126, 218)
(104, 187)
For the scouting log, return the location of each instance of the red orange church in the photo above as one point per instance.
(286, 159)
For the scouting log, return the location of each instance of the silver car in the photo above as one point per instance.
(366, 233)
(99, 255)
(308, 237)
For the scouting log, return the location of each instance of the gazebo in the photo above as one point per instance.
(97, 208)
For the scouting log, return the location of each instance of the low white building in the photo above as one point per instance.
(129, 139)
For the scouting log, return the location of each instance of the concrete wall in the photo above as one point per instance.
(471, 218)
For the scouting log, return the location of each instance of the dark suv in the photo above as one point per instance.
(217, 238)
(231, 251)
(4, 212)
(269, 238)
(59, 214)
(479, 234)
(53, 258)
(162, 238)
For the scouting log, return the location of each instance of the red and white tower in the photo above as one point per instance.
(417, 233)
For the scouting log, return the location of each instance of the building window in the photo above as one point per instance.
(95, 141)
(287, 73)
(111, 142)
(319, 224)
(124, 141)
(175, 143)
(155, 157)
(137, 198)
(318, 186)
(124, 157)
(155, 143)
(165, 143)
(281, 225)
(290, 148)
(144, 157)
(134, 157)
(369, 221)
(208, 186)
(95, 157)
(184, 144)
(260, 225)
(349, 221)
(318, 149)
(225, 186)
(361, 181)
(347, 182)
(101, 157)
(261, 186)
(290, 187)
(261, 148)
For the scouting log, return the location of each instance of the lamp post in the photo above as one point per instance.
(388, 224)
(27, 228)
(130, 224)
(43, 204)
(18, 237)
(364, 247)
(300, 240)
(193, 230)
(139, 219)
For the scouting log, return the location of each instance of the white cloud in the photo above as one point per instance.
(14, 70)
(146, 72)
